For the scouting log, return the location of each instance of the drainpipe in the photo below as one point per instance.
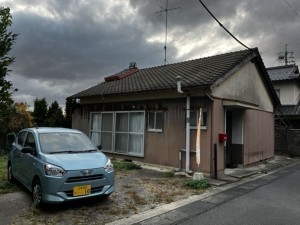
(187, 133)
(187, 138)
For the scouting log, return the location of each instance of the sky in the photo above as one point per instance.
(66, 46)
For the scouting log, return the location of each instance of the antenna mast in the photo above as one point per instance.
(286, 56)
(166, 10)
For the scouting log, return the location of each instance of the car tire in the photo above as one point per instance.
(10, 175)
(37, 196)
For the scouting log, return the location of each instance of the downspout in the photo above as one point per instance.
(187, 138)
(187, 133)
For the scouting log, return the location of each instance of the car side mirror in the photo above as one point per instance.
(27, 149)
(99, 147)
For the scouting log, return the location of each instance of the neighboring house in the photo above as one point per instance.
(150, 115)
(286, 82)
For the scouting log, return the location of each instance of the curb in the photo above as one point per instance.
(174, 205)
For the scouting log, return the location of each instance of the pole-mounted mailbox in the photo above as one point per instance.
(223, 137)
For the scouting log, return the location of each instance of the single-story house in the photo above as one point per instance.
(150, 115)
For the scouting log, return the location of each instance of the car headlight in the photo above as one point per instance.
(109, 167)
(52, 170)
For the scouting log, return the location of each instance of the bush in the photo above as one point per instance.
(198, 184)
(124, 165)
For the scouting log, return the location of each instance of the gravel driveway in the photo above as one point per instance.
(136, 191)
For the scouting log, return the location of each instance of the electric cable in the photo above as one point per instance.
(291, 8)
(224, 27)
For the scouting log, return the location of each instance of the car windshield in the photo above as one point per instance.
(54, 143)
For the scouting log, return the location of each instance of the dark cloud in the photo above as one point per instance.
(67, 46)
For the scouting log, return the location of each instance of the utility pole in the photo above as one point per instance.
(286, 56)
(166, 10)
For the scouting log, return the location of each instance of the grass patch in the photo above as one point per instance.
(170, 173)
(198, 184)
(5, 186)
(124, 165)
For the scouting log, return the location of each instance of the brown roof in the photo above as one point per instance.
(201, 72)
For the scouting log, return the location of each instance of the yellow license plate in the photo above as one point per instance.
(82, 190)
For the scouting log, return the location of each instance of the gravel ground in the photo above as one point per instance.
(136, 191)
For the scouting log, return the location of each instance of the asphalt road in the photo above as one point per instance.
(277, 202)
(271, 199)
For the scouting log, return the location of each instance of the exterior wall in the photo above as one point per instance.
(259, 136)
(245, 85)
(289, 91)
(218, 126)
(160, 148)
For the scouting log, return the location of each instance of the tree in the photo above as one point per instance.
(40, 112)
(21, 118)
(7, 39)
(55, 117)
(70, 104)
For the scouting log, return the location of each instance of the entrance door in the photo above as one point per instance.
(234, 130)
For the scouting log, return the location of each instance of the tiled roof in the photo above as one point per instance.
(288, 72)
(291, 110)
(201, 72)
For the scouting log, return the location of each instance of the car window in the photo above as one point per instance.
(21, 137)
(30, 141)
(61, 142)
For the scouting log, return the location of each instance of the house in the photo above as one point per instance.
(286, 82)
(150, 115)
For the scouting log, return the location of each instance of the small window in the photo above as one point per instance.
(155, 121)
(194, 117)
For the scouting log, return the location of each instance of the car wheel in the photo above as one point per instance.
(10, 175)
(37, 193)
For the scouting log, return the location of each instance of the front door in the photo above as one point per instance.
(234, 130)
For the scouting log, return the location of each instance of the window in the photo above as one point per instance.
(119, 132)
(21, 138)
(194, 117)
(155, 121)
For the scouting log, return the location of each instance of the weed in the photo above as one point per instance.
(136, 198)
(5, 186)
(124, 165)
(198, 184)
(127, 186)
(170, 173)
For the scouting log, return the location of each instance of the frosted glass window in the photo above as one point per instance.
(107, 122)
(122, 122)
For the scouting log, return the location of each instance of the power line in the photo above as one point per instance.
(224, 27)
(292, 9)
(271, 22)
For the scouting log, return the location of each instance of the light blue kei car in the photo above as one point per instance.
(59, 164)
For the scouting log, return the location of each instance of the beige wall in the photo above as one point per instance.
(258, 136)
(245, 85)
(289, 92)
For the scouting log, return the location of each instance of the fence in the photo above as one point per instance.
(287, 141)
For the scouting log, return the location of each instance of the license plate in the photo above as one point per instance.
(82, 190)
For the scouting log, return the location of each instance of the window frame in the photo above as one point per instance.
(155, 129)
(204, 126)
(128, 152)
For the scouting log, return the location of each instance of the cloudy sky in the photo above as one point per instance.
(66, 46)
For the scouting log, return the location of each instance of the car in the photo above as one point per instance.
(58, 165)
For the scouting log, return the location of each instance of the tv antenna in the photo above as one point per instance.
(286, 57)
(166, 10)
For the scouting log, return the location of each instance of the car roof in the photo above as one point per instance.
(50, 130)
